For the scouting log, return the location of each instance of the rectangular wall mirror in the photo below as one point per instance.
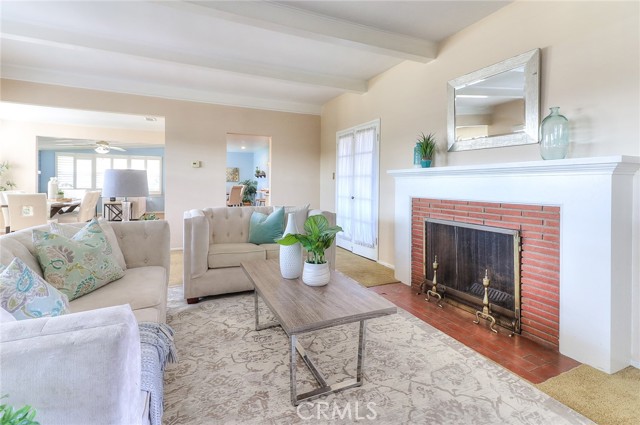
(495, 106)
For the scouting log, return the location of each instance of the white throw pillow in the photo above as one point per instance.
(300, 215)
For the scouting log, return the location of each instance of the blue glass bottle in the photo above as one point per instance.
(554, 135)
(417, 156)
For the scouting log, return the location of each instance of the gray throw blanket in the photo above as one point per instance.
(156, 340)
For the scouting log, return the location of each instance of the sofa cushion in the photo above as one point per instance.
(78, 265)
(140, 287)
(232, 254)
(300, 214)
(26, 295)
(266, 228)
(272, 250)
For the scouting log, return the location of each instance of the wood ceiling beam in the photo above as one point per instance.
(63, 39)
(288, 20)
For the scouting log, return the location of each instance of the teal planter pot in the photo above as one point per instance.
(425, 163)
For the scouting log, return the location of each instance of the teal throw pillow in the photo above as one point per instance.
(78, 265)
(26, 295)
(266, 228)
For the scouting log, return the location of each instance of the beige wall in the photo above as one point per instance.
(194, 131)
(589, 67)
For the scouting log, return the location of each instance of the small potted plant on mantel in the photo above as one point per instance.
(428, 147)
(318, 238)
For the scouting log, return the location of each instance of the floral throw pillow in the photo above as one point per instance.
(78, 265)
(26, 295)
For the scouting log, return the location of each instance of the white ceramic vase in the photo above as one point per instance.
(291, 256)
(316, 274)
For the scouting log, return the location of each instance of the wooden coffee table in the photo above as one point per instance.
(299, 308)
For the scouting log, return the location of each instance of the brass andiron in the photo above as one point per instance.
(434, 289)
(486, 309)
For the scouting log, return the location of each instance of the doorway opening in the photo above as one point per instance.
(249, 165)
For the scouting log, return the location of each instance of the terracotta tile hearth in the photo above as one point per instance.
(539, 227)
(524, 357)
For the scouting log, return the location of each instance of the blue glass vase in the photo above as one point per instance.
(417, 156)
(554, 135)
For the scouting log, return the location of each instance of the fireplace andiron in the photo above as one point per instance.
(434, 289)
(486, 309)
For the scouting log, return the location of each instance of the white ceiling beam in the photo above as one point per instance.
(55, 37)
(288, 20)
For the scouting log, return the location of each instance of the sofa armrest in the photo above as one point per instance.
(144, 243)
(75, 369)
(195, 245)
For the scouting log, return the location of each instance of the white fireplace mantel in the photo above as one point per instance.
(599, 240)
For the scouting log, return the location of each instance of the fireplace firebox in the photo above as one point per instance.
(477, 269)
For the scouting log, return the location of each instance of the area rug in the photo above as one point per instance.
(367, 272)
(229, 373)
(607, 399)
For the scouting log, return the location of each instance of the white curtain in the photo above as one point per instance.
(364, 224)
(344, 172)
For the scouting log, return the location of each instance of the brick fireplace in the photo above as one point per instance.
(579, 219)
(539, 227)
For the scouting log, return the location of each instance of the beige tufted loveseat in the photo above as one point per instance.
(216, 241)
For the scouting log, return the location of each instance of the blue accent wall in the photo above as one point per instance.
(244, 162)
(47, 169)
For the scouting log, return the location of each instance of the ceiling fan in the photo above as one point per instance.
(100, 146)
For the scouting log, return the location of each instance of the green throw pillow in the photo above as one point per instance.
(26, 295)
(266, 228)
(78, 265)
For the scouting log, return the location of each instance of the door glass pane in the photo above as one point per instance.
(363, 213)
(344, 179)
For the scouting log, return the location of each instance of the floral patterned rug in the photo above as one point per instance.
(228, 373)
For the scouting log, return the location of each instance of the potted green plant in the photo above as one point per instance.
(428, 147)
(23, 416)
(250, 190)
(319, 237)
(5, 182)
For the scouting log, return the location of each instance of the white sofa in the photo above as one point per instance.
(84, 367)
(216, 241)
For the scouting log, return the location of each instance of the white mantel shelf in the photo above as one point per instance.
(599, 239)
(617, 164)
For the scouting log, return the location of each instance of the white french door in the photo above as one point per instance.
(357, 188)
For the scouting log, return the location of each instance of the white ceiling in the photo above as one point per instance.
(289, 56)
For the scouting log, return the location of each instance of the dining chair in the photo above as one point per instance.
(27, 210)
(86, 211)
(235, 196)
(5, 209)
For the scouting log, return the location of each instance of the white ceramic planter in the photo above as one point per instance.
(316, 274)
(291, 256)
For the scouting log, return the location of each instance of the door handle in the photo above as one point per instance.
(353, 197)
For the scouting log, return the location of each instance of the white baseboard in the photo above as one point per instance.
(635, 363)
(391, 266)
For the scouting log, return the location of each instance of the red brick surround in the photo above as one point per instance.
(539, 228)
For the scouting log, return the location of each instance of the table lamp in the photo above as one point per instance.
(125, 184)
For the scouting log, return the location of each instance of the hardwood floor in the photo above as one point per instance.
(523, 357)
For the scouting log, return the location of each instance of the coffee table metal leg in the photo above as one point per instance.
(324, 389)
(260, 327)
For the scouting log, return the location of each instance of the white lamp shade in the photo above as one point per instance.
(125, 183)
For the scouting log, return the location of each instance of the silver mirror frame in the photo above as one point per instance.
(531, 62)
